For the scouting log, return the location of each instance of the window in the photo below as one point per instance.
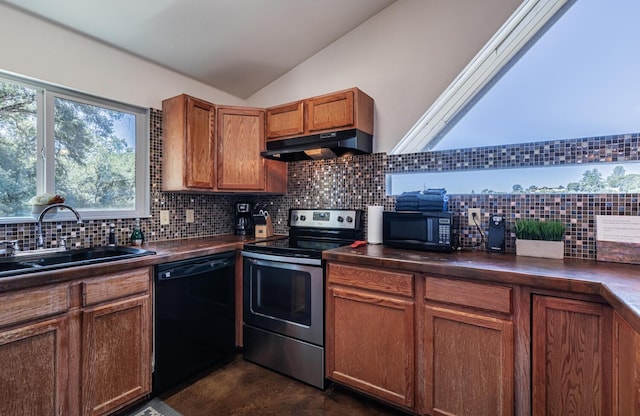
(520, 31)
(91, 151)
(579, 79)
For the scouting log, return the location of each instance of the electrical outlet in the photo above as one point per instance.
(470, 213)
(190, 215)
(164, 217)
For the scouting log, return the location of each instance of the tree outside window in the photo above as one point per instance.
(93, 157)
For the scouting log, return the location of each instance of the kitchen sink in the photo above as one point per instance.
(12, 266)
(61, 259)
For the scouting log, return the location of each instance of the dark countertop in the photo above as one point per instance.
(618, 284)
(166, 251)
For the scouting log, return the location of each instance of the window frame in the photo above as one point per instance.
(512, 40)
(47, 93)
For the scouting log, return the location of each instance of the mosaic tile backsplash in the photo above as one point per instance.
(356, 182)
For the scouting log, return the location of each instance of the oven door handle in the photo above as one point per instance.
(282, 259)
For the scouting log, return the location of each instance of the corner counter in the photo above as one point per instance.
(497, 333)
(618, 284)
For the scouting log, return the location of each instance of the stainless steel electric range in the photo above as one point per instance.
(284, 288)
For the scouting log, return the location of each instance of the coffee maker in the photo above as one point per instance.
(244, 219)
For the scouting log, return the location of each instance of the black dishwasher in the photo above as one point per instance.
(194, 317)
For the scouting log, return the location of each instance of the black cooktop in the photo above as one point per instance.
(293, 247)
(312, 231)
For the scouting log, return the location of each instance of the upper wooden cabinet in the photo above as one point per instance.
(208, 148)
(340, 110)
(285, 120)
(188, 145)
(240, 140)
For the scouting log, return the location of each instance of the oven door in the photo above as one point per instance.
(284, 295)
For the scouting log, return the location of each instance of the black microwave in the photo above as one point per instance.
(418, 230)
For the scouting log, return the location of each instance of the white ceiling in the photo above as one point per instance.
(237, 46)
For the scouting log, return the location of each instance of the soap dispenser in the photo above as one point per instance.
(112, 234)
(137, 237)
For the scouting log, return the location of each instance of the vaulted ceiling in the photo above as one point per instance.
(237, 46)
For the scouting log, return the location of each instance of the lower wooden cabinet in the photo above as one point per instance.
(571, 357)
(78, 348)
(468, 362)
(372, 344)
(467, 348)
(116, 340)
(626, 368)
(442, 346)
(370, 333)
(116, 368)
(34, 362)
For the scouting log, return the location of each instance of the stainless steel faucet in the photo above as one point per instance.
(40, 242)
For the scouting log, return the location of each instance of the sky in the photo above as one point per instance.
(580, 79)
(499, 180)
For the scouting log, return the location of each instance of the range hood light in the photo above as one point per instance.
(316, 154)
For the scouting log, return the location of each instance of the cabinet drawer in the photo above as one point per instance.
(475, 295)
(397, 283)
(33, 304)
(115, 286)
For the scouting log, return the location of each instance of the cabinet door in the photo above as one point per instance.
(331, 111)
(626, 368)
(240, 141)
(188, 144)
(200, 145)
(571, 360)
(370, 344)
(285, 120)
(34, 361)
(116, 354)
(468, 362)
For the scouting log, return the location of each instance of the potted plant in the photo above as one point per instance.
(539, 238)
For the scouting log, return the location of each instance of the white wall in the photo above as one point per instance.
(41, 50)
(404, 57)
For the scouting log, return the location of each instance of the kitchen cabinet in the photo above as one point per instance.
(571, 357)
(370, 331)
(209, 148)
(467, 352)
(626, 368)
(34, 351)
(431, 345)
(116, 341)
(285, 120)
(240, 139)
(188, 126)
(79, 348)
(341, 110)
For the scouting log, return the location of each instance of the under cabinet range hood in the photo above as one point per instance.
(319, 146)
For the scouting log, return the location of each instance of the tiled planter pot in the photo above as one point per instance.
(540, 248)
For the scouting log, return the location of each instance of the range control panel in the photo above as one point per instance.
(324, 218)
